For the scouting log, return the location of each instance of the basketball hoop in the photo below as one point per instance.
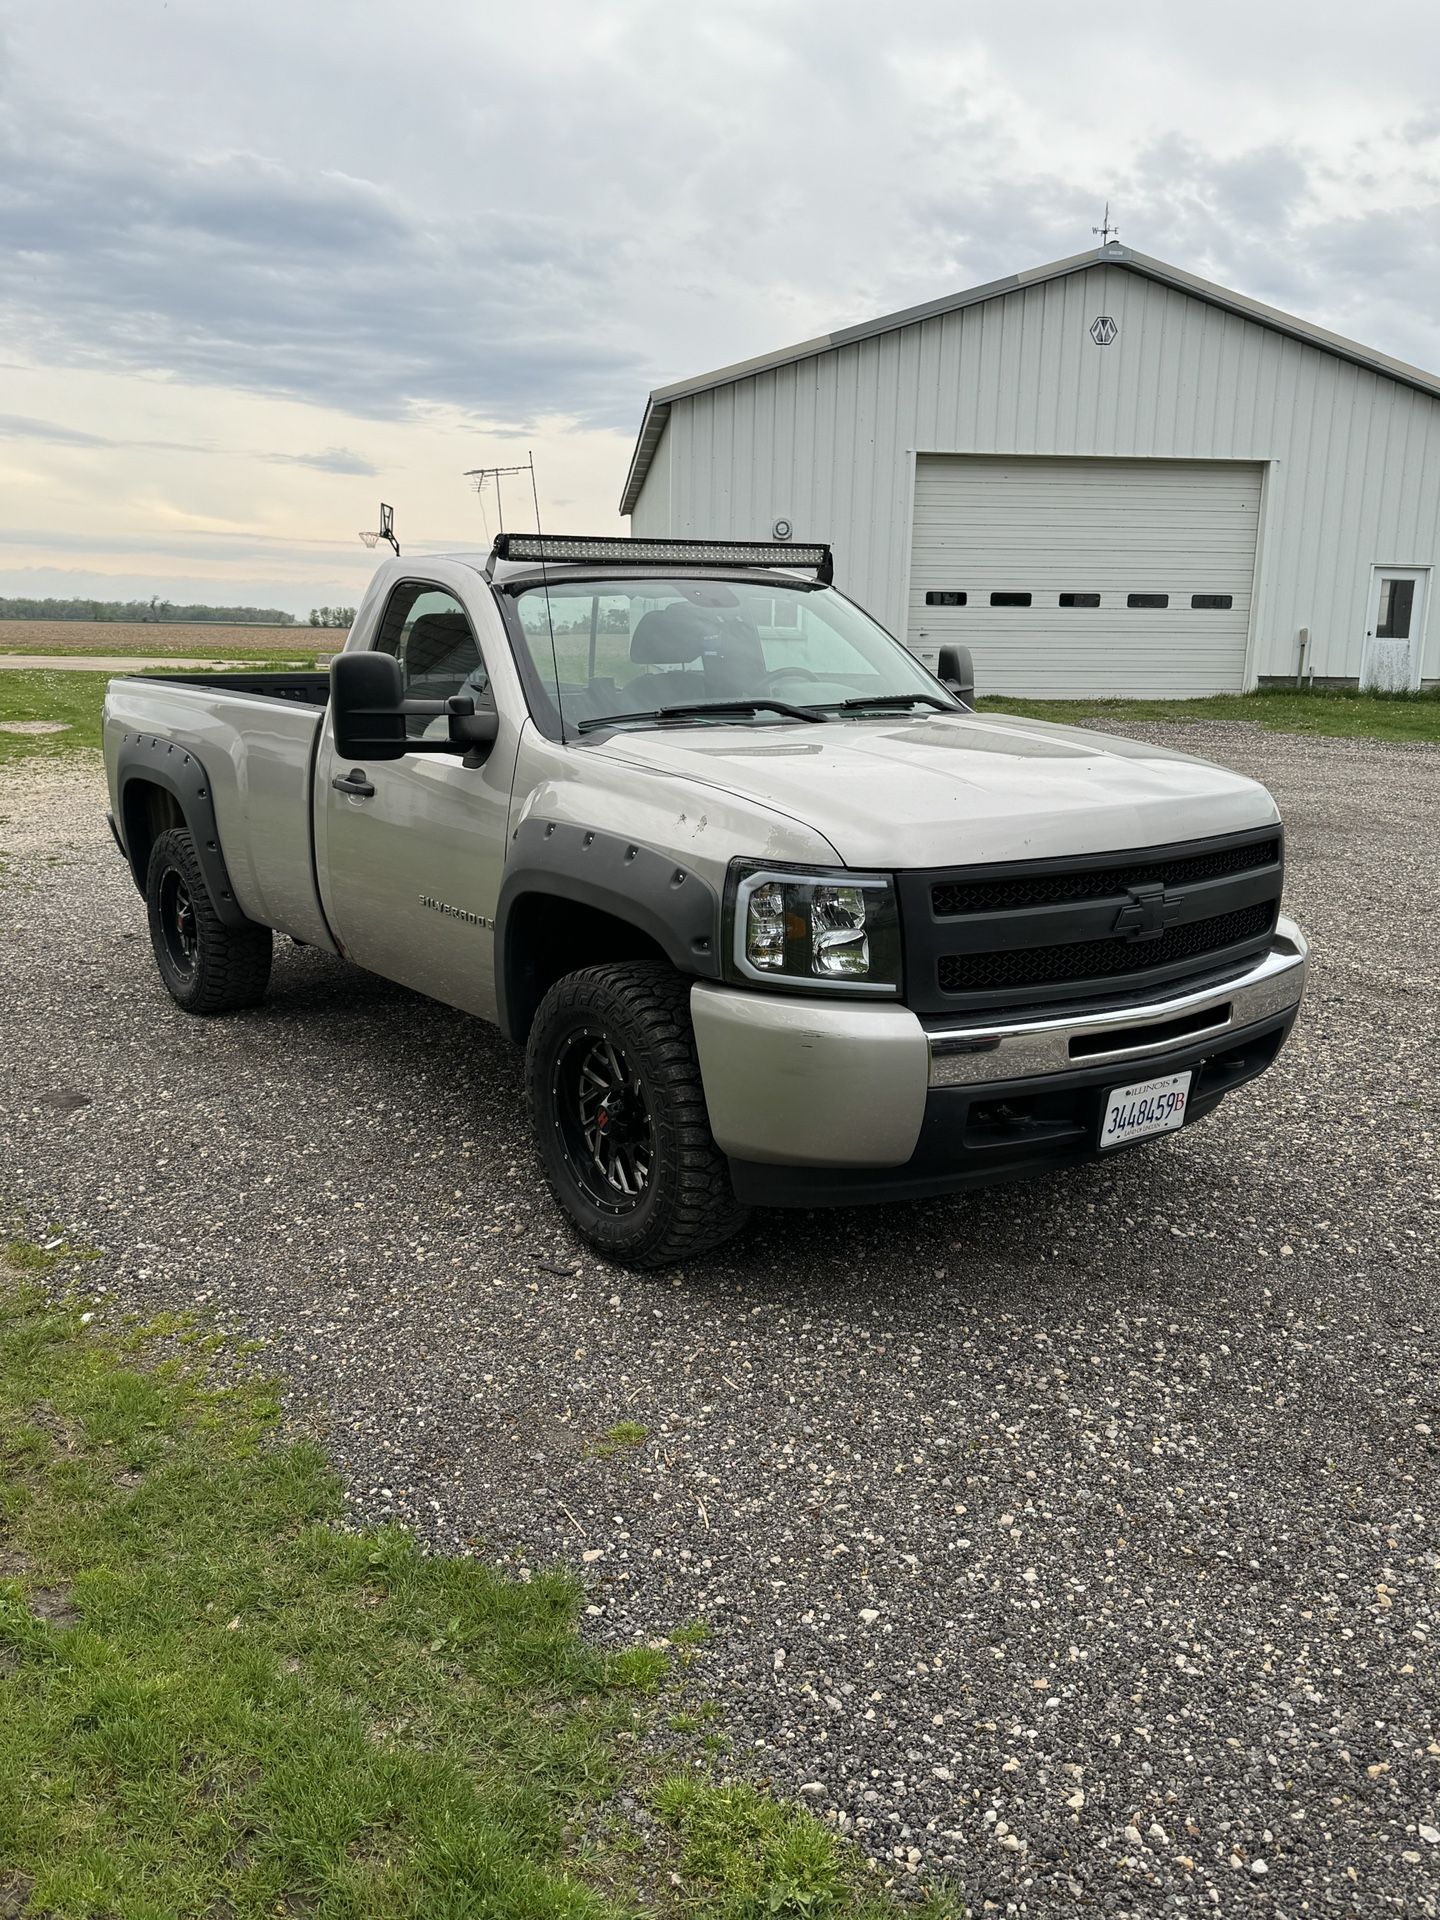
(385, 531)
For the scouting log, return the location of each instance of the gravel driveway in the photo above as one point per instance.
(1080, 1537)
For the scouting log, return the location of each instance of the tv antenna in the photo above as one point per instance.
(482, 477)
(386, 530)
(1105, 229)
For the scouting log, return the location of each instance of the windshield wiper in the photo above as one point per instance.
(702, 706)
(892, 700)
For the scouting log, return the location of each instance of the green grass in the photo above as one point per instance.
(39, 1256)
(624, 1435)
(754, 1858)
(745, 1848)
(37, 694)
(75, 699)
(218, 1704)
(1338, 712)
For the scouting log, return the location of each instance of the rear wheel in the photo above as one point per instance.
(207, 967)
(620, 1118)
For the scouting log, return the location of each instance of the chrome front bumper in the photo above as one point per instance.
(809, 1082)
(1058, 1043)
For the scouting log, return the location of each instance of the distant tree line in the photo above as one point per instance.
(156, 611)
(332, 616)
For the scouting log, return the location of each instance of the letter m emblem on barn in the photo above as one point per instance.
(1103, 330)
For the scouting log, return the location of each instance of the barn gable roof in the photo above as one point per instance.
(657, 407)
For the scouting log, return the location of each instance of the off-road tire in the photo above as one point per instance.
(688, 1206)
(229, 967)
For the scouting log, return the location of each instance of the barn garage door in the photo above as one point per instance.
(1064, 577)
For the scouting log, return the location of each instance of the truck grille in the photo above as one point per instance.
(1100, 959)
(950, 898)
(1049, 932)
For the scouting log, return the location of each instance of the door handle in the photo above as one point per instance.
(353, 782)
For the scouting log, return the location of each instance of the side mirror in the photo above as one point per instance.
(957, 670)
(474, 728)
(368, 710)
(367, 700)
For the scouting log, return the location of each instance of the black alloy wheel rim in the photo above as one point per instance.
(603, 1121)
(178, 928)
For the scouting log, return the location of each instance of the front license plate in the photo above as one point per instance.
(1150, 1106)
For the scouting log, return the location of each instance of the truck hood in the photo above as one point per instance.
(949, 790)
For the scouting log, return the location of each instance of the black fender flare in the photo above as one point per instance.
(149, 759)
(651, 891)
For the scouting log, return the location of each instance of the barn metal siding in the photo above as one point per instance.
(1352, 456)
(653, 513)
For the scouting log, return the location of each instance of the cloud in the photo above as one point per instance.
(197, 543)
(335, 260)
(19, 426)
(1262, 220)
(56, 433)
(332, 460)
(214, 544)
(549, 210)
(239, 270)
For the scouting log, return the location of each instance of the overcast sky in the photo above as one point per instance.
(262, 265)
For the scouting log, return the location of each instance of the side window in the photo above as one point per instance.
(428, 632)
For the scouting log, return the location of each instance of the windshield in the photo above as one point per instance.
(625, 652)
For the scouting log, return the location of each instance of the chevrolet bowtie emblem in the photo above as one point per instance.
(1147, 913)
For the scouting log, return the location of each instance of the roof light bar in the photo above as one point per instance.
(612, 550)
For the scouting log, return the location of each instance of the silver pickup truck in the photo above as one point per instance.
(777, 917)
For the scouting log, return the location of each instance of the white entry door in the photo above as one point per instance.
(1394, 628)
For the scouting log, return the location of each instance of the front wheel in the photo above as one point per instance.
(620, 1120)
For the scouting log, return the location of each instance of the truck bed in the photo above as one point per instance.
(255, 735)
(305, 689)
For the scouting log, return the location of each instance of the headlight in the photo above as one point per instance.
(804, 929)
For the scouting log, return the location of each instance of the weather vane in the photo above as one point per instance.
(1105, 230)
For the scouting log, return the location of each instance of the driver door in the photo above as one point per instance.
(411, 851)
